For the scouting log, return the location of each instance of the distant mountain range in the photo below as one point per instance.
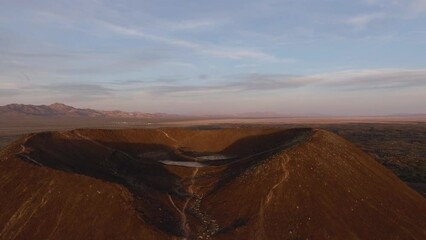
(62, 110)
(59, 109)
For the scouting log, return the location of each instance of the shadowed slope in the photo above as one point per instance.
(193, 184)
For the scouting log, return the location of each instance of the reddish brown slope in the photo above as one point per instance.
(41, 203)
(251, 184)
(323, 189)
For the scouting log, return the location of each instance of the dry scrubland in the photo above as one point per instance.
(401, 148)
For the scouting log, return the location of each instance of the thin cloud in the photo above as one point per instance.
(273, 81)
(239, 83)
(77, 91)
(6, 93)
(361, 21)
(223, 52)
(189, 25)
(350, 80)
(375, 79)
(235, 54)
(410, 6)
(68, 92)
(353, 80)
(189, 90)
(63, 62)
(418, 6)
(133, 82)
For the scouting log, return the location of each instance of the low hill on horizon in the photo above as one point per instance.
(63, 110)
(60, 109)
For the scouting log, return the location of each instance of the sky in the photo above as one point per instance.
(295, 57)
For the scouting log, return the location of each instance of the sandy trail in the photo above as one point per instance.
(182, 211)
(103, 145)
(261, 233)
(24, 150)
(168, 136)
(284, 177)
(191, 192)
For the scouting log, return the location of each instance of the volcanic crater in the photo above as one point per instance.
(201, 184)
